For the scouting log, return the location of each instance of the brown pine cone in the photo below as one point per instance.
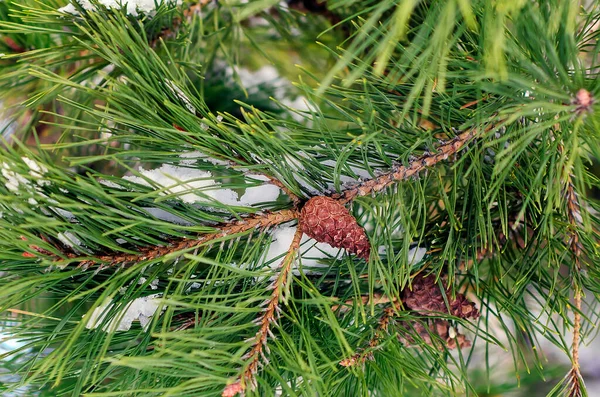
(426, 330)
(328, 221)
(427, 299)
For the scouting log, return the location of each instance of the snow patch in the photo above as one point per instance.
(182, 97)
(259, 194)
(166, 216)
(182, 181)
(132, 7)
(311, 253)
(17, 183)
(140, 309)
(69, 239)
(416, 255)
(252, 80)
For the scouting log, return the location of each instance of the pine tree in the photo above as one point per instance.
(303, 198)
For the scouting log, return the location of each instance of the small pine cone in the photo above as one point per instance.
(425, 331)
(426, 298)
(328, 221)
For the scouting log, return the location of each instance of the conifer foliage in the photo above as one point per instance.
(303, 198)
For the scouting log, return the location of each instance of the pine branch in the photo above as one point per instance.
(583, 101)
(270, 219)
(261, 221)
(574, 216)
(428, 160)
(268, 317)
(405, 72)
(274, 181)
(382, 329)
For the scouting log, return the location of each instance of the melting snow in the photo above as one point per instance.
(140, 309)
(69, 239)
(184, 181)
(311, 253)
(180, 180)
(133, 7)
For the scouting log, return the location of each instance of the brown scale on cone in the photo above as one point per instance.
(426, 298)
(449, 338)
(328, 221)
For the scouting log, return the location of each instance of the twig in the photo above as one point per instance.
(426, 300)
(574, 215)
(428, 160)
(268, 317)
(274, 181)
(254, 222)
(382, 329)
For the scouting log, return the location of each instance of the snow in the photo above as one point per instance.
(179, 93)
(264, 75)
(110, 184)
(181, 181)
(153, 283)
(69, 239)
(311, 253)
(184, 181)
(301, 104)
(13, 180)
(193, 285)
(132, 7)
(259, 194)
(252, 80)
(140, 309)
(416, 255)
(37, 170)
(166, 216)
(17, 183)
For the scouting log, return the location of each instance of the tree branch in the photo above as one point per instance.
(261, 221)
(428, 160)
(270, 219)
(382, 328)
(574, 216)
(268, 317)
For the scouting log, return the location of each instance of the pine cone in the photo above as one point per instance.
(426, 330)
(328, 221)
(427, 299)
